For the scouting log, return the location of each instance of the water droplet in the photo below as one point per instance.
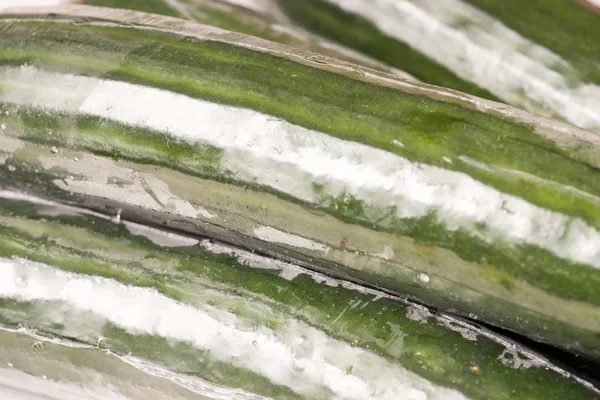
(423, 277)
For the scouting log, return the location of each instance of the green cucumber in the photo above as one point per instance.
(575, 32)
(354, 31)
(461, 203)
(162, 7)
(267, 22)
(33, 365)
(283, 331)
(541, 56)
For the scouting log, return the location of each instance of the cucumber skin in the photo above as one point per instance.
(239, 19)
(447, 288)
(75, 363)
(565, 29)
(79, 242)
(355, 32)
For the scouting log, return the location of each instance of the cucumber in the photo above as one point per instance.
(261, 19)
(237, 320)
(461, 203)
(35, 366)
(541, 56)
